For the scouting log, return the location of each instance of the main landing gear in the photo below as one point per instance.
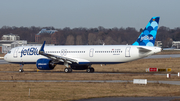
(76, 67)
(90, 70)
(21, 68)
(68, 70)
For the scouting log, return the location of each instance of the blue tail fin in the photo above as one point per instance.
(148, 36)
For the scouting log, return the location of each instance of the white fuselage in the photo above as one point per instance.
(85, 54)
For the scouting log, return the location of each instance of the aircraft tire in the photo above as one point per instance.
(70, 70)
(66, 70)
(21, 70)
(90, 70)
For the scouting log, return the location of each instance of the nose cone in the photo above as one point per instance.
(6, 57)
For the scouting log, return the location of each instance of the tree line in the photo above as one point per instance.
(91, 36)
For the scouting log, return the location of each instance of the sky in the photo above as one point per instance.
(88, 13)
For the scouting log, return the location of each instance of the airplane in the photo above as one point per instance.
(81, 57)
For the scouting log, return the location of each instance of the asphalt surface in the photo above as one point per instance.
(163, 56)
(92, 81)
(84, 72)
(2, 61)
(134, 99)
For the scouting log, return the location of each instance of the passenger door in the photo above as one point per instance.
(127, 52)
(91, 51)
(15, 54)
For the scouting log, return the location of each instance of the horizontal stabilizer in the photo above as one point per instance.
(143, 50)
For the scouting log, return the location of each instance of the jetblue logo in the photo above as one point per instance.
(146, 37)
(42, 63)
(29, 51)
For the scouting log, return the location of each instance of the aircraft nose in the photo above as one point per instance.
(6, 57)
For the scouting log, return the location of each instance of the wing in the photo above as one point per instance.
(56, 58)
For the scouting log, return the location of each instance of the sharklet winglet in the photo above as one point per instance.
(42, 48)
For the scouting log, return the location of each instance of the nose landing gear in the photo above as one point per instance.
(21, 68)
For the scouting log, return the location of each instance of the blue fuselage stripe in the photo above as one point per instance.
(80, 63)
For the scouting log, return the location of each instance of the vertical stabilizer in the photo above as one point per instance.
(148, 36)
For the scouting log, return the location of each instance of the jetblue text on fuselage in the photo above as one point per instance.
(29, 51)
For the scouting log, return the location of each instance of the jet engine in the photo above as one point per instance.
(45, 64)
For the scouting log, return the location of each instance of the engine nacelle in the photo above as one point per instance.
(44, 64)
(79, 67)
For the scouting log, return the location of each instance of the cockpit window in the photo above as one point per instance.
(9, 52)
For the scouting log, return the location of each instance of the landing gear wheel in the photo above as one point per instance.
(90, 70)
(21, 70)
(68, 70)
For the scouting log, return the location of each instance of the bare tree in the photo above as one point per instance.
(70, 40)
